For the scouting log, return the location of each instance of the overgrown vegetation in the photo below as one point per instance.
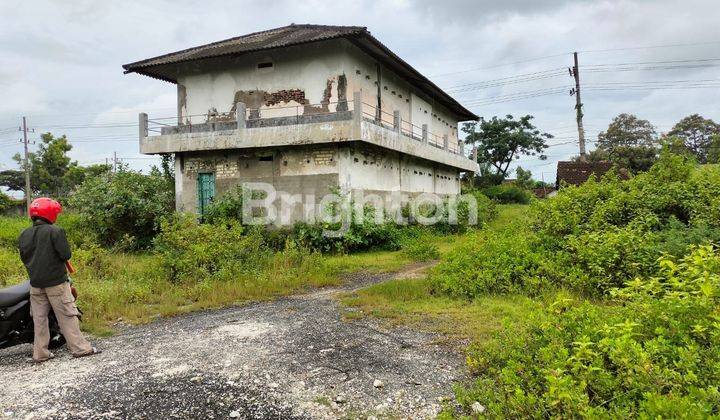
(619, 283)
(594, 237)
(124, 211)
(650, 352)
(361, 230)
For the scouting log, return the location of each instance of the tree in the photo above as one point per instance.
(524, 179)
(12, 179)
(627, 130)
(629, 142)
(713, 155)
(697, 133)
(50, 166)
(597, 155)
(499, 141)
(125, 208)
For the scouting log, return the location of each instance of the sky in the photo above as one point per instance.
(60, 61)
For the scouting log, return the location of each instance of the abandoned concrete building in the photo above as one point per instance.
(306, 108)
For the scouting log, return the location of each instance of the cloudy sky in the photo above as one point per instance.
(60, 61)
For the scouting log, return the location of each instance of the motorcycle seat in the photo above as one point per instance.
(14, 294)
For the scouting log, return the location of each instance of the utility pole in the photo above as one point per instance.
(26, 165)
(115, 161)
(575, 72)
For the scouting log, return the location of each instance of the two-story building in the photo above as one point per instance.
(306, 108)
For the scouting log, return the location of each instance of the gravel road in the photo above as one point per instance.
(291, 358)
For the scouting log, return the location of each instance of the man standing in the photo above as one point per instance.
(45, 251)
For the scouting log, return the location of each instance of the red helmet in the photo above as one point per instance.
(44, 207)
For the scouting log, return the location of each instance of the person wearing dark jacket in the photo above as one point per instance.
(45, 251)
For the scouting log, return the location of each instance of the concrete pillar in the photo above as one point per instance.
(240, 109)
(424, 133)
(143, 123)
(357, 115)
(474, 154)
(357, 106)
(396, 121)
(446, 145)
(460, 150)
(178, 166)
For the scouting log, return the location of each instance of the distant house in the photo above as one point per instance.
(576, 173)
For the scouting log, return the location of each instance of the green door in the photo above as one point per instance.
(206, 192)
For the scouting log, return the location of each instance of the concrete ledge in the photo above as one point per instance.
(298, 134)
(390, 139)
(285, 135)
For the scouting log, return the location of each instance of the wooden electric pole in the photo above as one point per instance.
(578, 107)
(26, 165)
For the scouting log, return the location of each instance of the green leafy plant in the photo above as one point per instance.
(421, 249)
(508, 194)
(127, 207)
(651, 352)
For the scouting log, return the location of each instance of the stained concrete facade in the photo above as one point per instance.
(305, 79)
(315, 170)
(306, 119)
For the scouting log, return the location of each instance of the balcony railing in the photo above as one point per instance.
(242, 117)
(393, 121)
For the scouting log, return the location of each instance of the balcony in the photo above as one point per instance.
(334, 122)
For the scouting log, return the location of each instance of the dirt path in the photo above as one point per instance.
(291, 358)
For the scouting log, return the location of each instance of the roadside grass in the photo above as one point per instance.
(413, 302)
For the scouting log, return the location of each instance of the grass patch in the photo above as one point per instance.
(412, 302)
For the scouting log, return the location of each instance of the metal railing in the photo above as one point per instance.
(392, 121)
(242, 117)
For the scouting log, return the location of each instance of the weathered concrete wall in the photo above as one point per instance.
(311, 77)
(397, 94)
(299, 170)
(371, 168)
(320, 74)
(312, 170)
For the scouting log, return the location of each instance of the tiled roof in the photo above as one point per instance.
(295, 35)
(264, 40)
(576, 173)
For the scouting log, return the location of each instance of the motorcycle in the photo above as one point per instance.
(16, 324)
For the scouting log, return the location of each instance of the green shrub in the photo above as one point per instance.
(7, 202)
(421, 249)
(593, 237)
(650, 353)
(124, 208)
(192, 251)
(504, 261)
(508, 194)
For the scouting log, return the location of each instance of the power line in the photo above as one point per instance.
(520, 78)
(652, 47)
(500, 65)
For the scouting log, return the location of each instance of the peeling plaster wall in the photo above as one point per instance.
(312, 74)
(321, 73)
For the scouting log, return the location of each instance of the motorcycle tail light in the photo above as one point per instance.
(74, 292)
